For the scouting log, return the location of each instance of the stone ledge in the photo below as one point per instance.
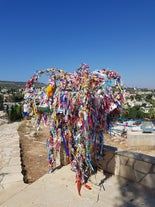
(137, 167)
(137, 156)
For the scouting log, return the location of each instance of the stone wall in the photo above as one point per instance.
(133, 166)
(108, 162)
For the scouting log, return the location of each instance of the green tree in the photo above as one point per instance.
(138, 97)
(132, 97)
(17, 97)
(15, 113)
(151, 113)
(1, 102)
(134, 113)
(148, 97)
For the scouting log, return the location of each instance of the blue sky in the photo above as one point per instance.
(113, 34)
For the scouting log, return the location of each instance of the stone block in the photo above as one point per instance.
(123, 160)
(153, 168)
(139, 176)
(117, 165)
(111, 165)
(107, 162)
(143, 167)
(127, 172)
(149, 180)
(131, 162)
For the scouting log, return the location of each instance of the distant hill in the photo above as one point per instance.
(16, 84)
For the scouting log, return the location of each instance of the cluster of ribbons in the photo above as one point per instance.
(80, 106)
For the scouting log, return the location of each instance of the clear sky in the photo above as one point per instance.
(113, 34)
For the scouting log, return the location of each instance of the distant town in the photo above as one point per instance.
(12, 98)
(139, 103)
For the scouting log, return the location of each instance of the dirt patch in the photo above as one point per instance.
(33, 151)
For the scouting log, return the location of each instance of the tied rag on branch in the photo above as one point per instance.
(79, 107)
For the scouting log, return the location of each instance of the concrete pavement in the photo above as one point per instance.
(59, 190)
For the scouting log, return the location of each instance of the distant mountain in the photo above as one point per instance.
(16, 84)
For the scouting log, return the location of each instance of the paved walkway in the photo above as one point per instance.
(59, 188)
(10, 163)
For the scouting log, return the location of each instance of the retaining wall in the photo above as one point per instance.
(133, 166)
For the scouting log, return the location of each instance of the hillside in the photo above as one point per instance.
(16, 84)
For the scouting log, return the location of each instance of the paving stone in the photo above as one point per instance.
(11, 178)
(16, 153)
(15, 161)
(11, 169)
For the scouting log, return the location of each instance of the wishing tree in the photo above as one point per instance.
(79, 107)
